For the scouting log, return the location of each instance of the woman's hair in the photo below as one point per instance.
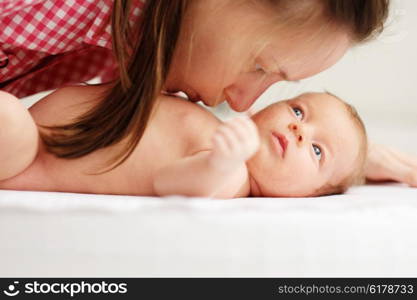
(127, 106)
(144, 53)
(363, 18)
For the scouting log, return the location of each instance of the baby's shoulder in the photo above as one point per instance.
(190, 115)
(66, 103)
(188, 120)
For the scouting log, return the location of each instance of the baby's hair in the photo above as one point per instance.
(356, 177)
(144, 57)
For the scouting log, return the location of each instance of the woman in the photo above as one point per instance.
(210, 49)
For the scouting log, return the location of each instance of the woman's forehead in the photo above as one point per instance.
(305, 54)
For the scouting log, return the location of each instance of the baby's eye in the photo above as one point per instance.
(298, 113)
(317, 151)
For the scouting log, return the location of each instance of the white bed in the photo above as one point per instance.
(370, 231)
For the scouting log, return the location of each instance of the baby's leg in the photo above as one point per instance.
(18, 137)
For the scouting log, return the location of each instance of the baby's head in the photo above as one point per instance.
(312, 145)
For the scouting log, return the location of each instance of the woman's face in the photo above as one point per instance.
(228, 51)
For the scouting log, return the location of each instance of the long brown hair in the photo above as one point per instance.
(126, 109)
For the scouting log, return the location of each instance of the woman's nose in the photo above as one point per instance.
(298, 132)
(246, 90)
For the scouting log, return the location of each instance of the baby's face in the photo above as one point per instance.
(306, 142)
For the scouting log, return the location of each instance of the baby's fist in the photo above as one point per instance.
(234, 141)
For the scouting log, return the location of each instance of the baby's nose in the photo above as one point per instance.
(293, 127)
(297, 131)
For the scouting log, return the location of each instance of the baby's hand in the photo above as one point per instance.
(234, 142)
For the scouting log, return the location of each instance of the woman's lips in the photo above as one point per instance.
(280, 142)
(194, 97)
(190, 95)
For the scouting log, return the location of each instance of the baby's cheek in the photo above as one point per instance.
(302, 180)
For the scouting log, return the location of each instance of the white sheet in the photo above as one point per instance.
(371, 231)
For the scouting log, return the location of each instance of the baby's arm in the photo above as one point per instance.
(219, 172)
(18, 137)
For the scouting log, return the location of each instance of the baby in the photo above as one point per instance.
(314, 144)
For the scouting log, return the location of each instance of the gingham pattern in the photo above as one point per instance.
(73, 36)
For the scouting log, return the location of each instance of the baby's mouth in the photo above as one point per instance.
(280, 142)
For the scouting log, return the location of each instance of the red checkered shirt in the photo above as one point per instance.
(45, 44)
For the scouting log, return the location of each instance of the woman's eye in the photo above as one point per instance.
(317, 151)
(298, 113)
(259, 68)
